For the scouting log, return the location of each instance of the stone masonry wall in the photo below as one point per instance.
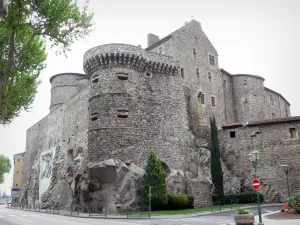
(276, 147)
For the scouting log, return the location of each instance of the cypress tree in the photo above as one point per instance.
(154, 177)
(216, 167)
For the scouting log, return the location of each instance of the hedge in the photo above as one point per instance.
(244, 197)
(180, 201)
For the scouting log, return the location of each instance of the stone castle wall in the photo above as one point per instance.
(277, 147)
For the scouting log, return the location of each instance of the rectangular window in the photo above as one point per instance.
(224, 83)
(201, 98)
(245, 82)
(122, 113)
(213, 101)
(17, 171)
(232, 134)
(271, 100)
(209, 76)
(18, 160)
(211, 60)
(123, 76)
(16, 185)
(194, 52)
(293, 133)
(246, 106)
(182, 73)
(197, 73)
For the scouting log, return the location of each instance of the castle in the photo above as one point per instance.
(132, 99)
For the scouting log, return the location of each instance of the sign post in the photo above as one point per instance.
(256, 186)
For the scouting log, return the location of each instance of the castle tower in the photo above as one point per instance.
(136, 103)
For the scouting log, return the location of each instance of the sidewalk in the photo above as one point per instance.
(277, 221)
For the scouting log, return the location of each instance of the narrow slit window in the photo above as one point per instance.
(182, 73)
(201, 98)
(160, 50)
(246, 105)
(224, 83)
(293, 133)
(232, 134)
(271, 100)
(209, 77)
(211, 60)
(197, 73)
(122, 113)
(122, 76)
(245, 82)
(213, 101)
(194, 52)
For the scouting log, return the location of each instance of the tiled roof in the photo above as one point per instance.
(232, 125)
(261, 122)
(276, 120)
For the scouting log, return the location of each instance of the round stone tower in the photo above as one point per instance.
(248, 97)
(64, 86)
(136, 103)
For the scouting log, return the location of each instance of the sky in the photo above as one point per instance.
(258, 37)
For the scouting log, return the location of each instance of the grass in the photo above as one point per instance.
(185, 211)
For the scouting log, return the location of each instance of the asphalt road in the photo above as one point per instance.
(18, 217)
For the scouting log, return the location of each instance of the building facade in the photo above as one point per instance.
(17, 178)
(131, 99)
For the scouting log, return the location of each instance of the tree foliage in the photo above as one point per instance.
(216, 167)
(5, 167)
(155, 177)
(23, 36)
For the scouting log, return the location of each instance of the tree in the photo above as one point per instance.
(4, 167)
(216, 167)
(23, 36)
(154, 177)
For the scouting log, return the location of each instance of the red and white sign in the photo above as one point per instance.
(256, 184)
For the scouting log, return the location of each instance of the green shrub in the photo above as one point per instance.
(244, 197)
(294, 203)
(154, 177)
(244, 211)
(191, 201)
(178, 201)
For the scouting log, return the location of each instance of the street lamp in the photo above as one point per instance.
(254, 158)
(286, 170)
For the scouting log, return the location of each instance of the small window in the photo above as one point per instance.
(194, 52)
(201, 98)
(273, 115)
(213, 101)
(246, 105)
(122, 113)
(197, 73)
(160, 50)
(182, 73)
(123, 76)
(293, 133)
(224, 83)
(232, 134)
(16, 185)
(94, 116)
(271, 100)
(95, 80)
(211, 60)
(17, 171)
(245, 82)
(148, 74)
(18, 160)
(209, 77)
(286, 111)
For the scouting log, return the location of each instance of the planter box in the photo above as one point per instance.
(247, 219)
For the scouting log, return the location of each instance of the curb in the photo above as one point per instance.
(153, 216)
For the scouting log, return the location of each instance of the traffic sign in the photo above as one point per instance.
(256, 184)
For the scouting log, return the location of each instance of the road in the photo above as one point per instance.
(18, 217)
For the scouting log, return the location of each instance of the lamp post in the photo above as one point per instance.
(286, 170)
(254, 158)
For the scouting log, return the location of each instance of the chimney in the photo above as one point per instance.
(152, 39)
